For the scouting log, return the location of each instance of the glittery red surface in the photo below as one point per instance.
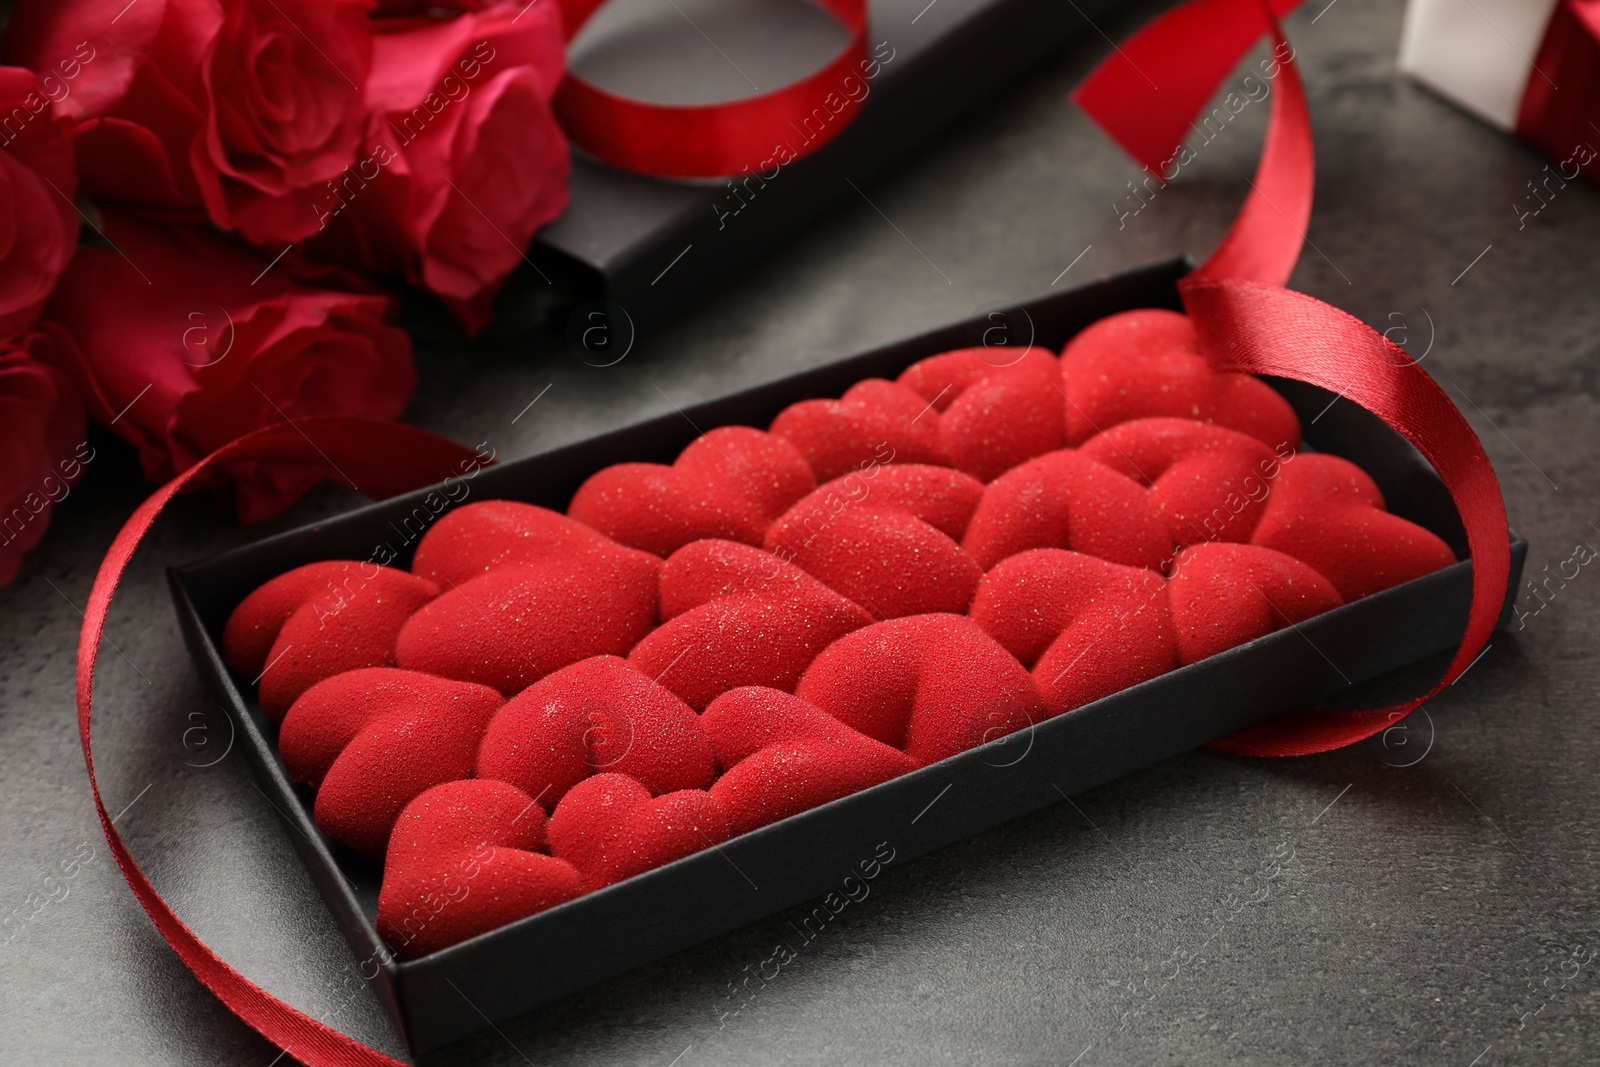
(323, 619)
(995, 408)
(598, 713)
(874, 419)
(610, 827)
(464, 858)
(1146, 363)
(730, 483)
(747, 630)
(1328, 513)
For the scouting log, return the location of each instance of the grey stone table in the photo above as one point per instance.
(1441, 904)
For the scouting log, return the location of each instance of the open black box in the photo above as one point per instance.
(584, 941)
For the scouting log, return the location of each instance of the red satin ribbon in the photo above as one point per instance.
(713, 140)
(1560, 107)
(1263, 329)
(376, 458)
(1248, 322)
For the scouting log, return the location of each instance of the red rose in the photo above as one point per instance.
(187, 340)
(463, 160)
(42, 444)
(239, 107)
(38, 223)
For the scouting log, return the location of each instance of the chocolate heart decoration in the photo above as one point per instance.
(515, 624)
(876, 421)
(940, 379)
(887, 538)
(476, 538)
(730, 483)
(610, 828)
(929, 685)
(1139, 364)
(464, 859)
(1087, 628)
(329, 715)
(781, 756)
(1067, 500)
(317, 621)
(420, 735)
(253, 626)
(1327, 512)
(998, 407)
(1224, 595)
(594, 716)
(736, 615)
(1206, 483)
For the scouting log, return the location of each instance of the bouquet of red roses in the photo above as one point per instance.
(193, 188)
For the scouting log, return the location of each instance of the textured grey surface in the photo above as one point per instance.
(1442, 912)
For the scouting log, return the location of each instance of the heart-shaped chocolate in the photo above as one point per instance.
(329, 715)
(1327, 512)
(998, 407)
(1145, 363)
(317, 621)
(253, 626)
(940, 379)
(465, 859)
(476, 538)
(875, 422)
(1067, 500)
(889, 539)
(1223, 595)
(707, 571)
(736, 615)
(420, 735)
(610, 828)
(1087, 628)
(1207, 483)
(729, 483)
(515, 624)
(781, 756)
(594, 716)
(929, 685)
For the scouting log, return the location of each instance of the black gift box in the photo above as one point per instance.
(538, 959)
(641, 249)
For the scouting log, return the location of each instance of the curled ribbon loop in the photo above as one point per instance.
(713, 140)
(377, 458)
(1247, 321)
